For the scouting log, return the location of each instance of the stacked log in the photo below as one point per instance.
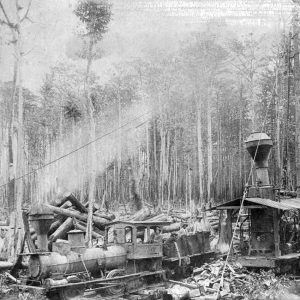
(172, 227)
(82, 227)
(98, 221)
(70, 213)
(176, 218)
(142, 214)
(159, 218)
(62, 230)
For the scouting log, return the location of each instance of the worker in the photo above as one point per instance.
(156, 237)
(115, 236)
(173, 238)
(168, 246)
(202, 224)
(3, 243)
(183, 229)
(198, 226)
(128, 235)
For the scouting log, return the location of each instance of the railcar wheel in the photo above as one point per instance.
(71, 293)
(117, 289)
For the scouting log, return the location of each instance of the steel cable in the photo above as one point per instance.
(81, 147)
(243, 199)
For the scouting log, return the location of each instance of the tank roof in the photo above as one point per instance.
(256, 136)
(140, 223)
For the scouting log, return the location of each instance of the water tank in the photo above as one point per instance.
(259, 146)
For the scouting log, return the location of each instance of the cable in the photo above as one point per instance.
(81, 147)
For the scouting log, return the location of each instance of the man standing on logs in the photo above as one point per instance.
(183, 229)
(201, 224)
(198, 225)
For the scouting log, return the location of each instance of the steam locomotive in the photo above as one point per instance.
(124, 263)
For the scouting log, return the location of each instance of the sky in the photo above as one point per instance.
(136, 27)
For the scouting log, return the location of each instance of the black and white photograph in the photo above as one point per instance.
(149, 149)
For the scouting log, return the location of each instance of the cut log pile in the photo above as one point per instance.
(175, 217)
(238, 283)
(70, 213)
(149, 214)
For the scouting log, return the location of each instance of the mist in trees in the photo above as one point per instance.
(184, 113)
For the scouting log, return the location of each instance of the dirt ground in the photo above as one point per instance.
(292, 293)
(8, 292)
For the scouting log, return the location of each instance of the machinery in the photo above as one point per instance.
(265, 239)
(122, 264)
(128, 259)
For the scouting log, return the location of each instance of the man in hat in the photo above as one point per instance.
(183, 229)
(156, 237)
(201, 224)
(198, 226)
(169, 248)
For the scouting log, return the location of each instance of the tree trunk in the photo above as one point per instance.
(287, 118)
(278, 168)
(241, 107)
(93, 158)
(297, 98)
(155, 171)
(200, 156)
(120, 198)
(209, 149)
(16, 224)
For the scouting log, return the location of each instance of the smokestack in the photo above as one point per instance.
(259, 146)
(40, 217)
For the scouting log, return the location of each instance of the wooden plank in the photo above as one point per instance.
(238, 207)
(257, 261)
(105, 287)
(288, 256)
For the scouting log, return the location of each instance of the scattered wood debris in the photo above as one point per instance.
(238, 283)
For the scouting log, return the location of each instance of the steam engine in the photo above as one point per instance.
(126, 253)
(63, 261)
(69, 256)
(125, 261)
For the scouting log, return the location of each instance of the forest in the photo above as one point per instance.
(166, 128)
